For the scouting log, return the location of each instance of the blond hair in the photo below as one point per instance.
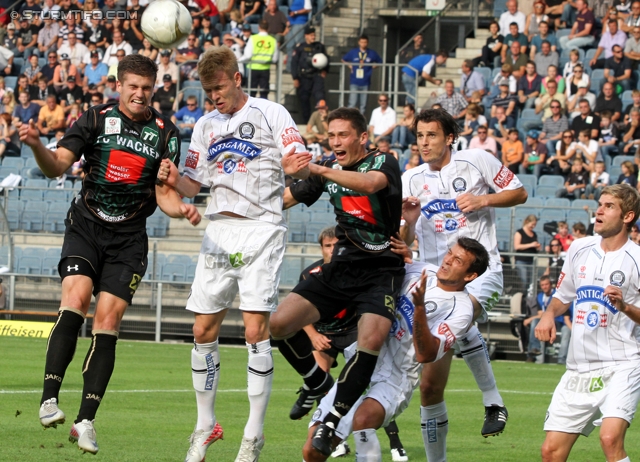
(217, 59)
(629, 200)
(529, 218)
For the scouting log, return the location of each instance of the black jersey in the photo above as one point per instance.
(122, 159)
(365, 222)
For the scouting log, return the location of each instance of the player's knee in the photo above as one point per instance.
(431, 389)
(550, 451)
(203, 333)
(362, 420)
(256, 333)
(610, 441)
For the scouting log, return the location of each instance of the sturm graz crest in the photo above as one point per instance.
(430, 307)
(459, 184)
(617, 278)
(247, 130)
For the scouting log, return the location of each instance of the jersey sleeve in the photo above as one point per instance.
(498, 176)
(387, 164)
(309, 191)
(195, 165)
(81, 133)
(566, 286)
(285, 130)
(450, 329)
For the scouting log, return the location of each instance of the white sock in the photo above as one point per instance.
(435, 426)
(205, 371)
(626, 459)
(259, 381)
(475, 354)
(367, 446)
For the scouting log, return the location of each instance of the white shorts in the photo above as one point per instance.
(392, 398)
(238, 254)
(487, 289)
(582, 400)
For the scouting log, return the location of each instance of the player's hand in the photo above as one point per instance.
(29, 134)
(320, 342)
(411, 209)
(296, 164)
(467, 202)
(399, 247)
(546, 328)
(168, 173)
(418, 291)
(615, 297)
(296, 83)
(190, 212)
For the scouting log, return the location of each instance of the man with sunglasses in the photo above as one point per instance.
(49, 68)
(483, 141)
(187, 57)
(632, 47)
(586, 120)
(383, 119)
(553, 127)
(617, 69)
(186, 118)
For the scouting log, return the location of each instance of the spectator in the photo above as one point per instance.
(73, 49)
(574, 59)
(32, 70)
(279, 25)
(98, 33)
(559, 163)
(51, 117)
(587, 150)
(39, 93)
(608, 142)
(48, 36)
(418, 48)
(632, 47)
(635, 95)
(516, 59)
(543, 36)
(573, 80)
(226, 8)
(631, 137)
(10, 141)
(609, 40)
(96, 72)
(534, 19)
(27, 38)
(546, 58)
(10, 40)
(452, 102)
(552, 74)
(582, 31)
(70, 95)
(492, 49)
(579, 230)
(628, 175)
(230, 42)
(504, 74)
(574, 186)
(402, 135)
(543, 102)
(525, 240)
(132, 34)
(69, 26)
(633, 19)
(111, 53)
(514, 36)
(413, 162)
(48, 70)
(535, 154)
(383, 119)
(94, 99)
(147, 50)
(298, 15)
(470, 81)
(512, 152)
(426, 65)
(25, 111)
(597, 180)
(612, 13)
(556, 261)
(553, 127)
(500, 124)
(187, 57)
(384, 146)
(262, 51)
(62, 71)
(251, 11)
(617, 70)
(74, 114)
(483, 141)
(360, 75)
(6, 61)
(512, 15)
(186, 118)
(166, 67)
(609, 101)
(634, 235)
(586, 120)
(472, 120)
(307, 79)
(317, 124)
(529, 86)
(22, 84)
(111, 93)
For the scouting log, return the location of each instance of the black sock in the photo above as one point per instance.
(354, 380)
(392, 433)
(61, 347)
(97, 369)
(298, 351)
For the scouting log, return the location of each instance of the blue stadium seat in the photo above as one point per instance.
(548, 215)
(59, 206)
(25, 151)
(157, 224)
(13, 217)
(597, 79)
(29, 265)
(580, 203)
(627, 99)
(551, 180)
(197, 92)
(285, 10)
(17, 162)
(614, 173)
(32, 220)
(50, 266)
(38, 206)
(30, 162)
(54, 252)
(534, 201)
(191, 84)
(546, 190)
(56, 195)
(173, 272)
(10, 81)
(191, 272)
(291, 269)
(558, 202)
(179, 258)
(486, 73)
(499, 7)
(575, 216)
(54, 220)
(618, 160)
(6, 171)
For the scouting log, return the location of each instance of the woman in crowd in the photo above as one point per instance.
(578, 75)
(402, 136)
(560, 164)
(472, 120)
(552, 74)
(525, 240)
(10, 141)
(628, 174)
(534, 18)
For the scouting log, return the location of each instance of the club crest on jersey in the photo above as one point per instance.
(592, 319)
(459, 184)
(450, 224)
(617, 278)
(234, 146)
(160, 123)
(246, 130)
(112, 125)
(430, 307)
(231, 166)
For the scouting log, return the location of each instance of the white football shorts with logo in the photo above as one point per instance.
(582, 400)
(238, 255)
(487, 289)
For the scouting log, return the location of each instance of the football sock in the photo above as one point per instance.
(61, 347)
(367, 446)
(298, 351)
(96, 371)
(259, 382)
(392, 432)
(475, 354)
(353, 381)
(435, 426)
(626, 459)
(205, 372)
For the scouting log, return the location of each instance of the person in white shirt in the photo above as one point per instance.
(74, 49)
(598, 180)
(601, 386)
(587, 149)
(383, 119)
(433, 309)
(110, 54)
(237, 151)
(512, 15)
(446, 198)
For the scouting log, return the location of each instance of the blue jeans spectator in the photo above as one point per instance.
(402, 136)
(590, 189)
(410, 87)
(576, 42)
(354, 97)
(534, 343)
(569, 15)
(536, 170)
(551, 147)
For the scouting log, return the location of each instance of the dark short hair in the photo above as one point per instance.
(481, 260)
(327, 233)
(545, 277)
(353, 115)
(580, 227)
(138, 65)
(363, 36)
(543, 22)
(514, 24)
(546, 42)
(442, 118)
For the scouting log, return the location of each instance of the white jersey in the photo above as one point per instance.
(239, 157)
(601, 335)
(442, 223)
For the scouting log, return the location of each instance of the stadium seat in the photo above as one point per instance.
(17, 162)
(54, 252)
(54, 220)
(499, 7)
(10, 81)
(503, 212)
(56, 195)
(173, 272)
(291, 269)
(25, 151)
(618, 160)
(614, 173)
(552, 214)
(580, 203)
(179, 258)
(285, 10)
(546, 190)
(50, 266)
(575, 216)
(486, 73)
(296, 231)
(627, 99)
(32, 220)
(157, 224)
(33, 189)
(535, 201)
(191, 272)
(192, 91)
(29, 265)
(191, 84)
(13, 217)
(558, 202)
(36, 205)
(597, 79)
(551, 180)
(6, 171)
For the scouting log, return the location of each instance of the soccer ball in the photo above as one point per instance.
(165, 23)
(319, 61)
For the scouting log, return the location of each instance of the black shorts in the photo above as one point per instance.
(362, 284)
(340, 341)
(115, 261)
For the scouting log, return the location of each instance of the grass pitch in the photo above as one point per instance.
(148, 412)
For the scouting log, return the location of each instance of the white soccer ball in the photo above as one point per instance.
(166, 23)
(319, 61)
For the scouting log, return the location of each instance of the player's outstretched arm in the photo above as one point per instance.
(169, 175)
(399, 247)
(52, 163)
(468, 202)
(296, 164)
(425, 343)
(288, 199)
(365, 183)
(171, 204)
(546, 328)
(616, 299)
